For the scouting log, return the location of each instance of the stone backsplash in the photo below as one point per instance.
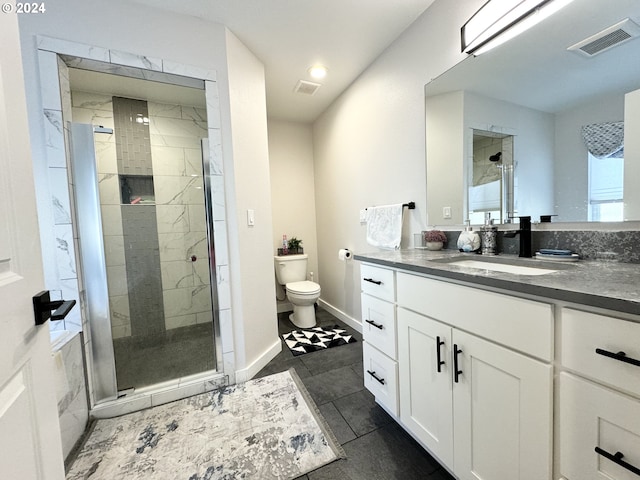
(617, 246)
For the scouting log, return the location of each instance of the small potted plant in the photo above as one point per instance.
(295, 246)
(434, 239)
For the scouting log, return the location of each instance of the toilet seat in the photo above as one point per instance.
(303, 288)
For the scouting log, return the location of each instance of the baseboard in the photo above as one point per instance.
(284, 307)
(352, 322)
(259, 363)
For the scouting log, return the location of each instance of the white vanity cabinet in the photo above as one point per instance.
(483, 407)
(599, 398)
(379, 335)
(475, 370)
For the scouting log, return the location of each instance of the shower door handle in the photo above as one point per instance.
(43, 307)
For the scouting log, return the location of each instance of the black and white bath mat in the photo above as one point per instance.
(317, 338)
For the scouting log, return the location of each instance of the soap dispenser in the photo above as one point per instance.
(468, 241)
(489, 236)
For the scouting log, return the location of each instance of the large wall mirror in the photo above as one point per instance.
(528, 101)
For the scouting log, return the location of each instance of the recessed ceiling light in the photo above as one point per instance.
(318, 71)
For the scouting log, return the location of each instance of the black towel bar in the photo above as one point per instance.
(410, 205)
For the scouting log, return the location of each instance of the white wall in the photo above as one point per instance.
(369, 146)
(572, 163)
(252, 281)
(141, 30)
(445, 135)
(631, 154)
(292, 190)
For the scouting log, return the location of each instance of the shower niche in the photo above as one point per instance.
(137, 190)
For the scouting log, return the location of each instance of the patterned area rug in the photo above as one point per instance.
(316, 338)
(267, 428)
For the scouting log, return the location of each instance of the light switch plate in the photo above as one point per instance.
(251, 217)
(363, 215)
(446, 212)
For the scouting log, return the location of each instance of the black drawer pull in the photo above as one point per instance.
(456, 371)
(620, 356)
(378, 326)
(617, 458)
(373, 374)
(441, 362)
(371, 280)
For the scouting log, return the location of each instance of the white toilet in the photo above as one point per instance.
(291, 272)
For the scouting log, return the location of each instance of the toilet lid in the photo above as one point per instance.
(305, 287)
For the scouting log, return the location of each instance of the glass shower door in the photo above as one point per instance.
(157, 256)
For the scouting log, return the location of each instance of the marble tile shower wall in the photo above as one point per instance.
(176, 152)
(62, 280)
(484, 170)
(176, 157)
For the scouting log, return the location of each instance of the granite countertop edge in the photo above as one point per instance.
(607, 285)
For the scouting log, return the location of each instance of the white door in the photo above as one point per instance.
(30, 445)
(502, 410)
(424, 358)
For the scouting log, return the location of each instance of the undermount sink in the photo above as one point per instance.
(497, 265)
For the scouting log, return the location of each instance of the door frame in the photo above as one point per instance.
(54, 57)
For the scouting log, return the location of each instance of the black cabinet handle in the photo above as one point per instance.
(43, 307)
(620, 356)
(617, 458)
(456, 371)
(373, 374)
(441, 362)
(371, 280)
(378, 326)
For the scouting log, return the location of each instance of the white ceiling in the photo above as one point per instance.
(536, 70)
(289, 36)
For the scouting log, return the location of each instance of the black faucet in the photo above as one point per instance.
(525, 236)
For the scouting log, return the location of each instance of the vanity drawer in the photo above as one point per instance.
(381, 377)
(583, 333)
(517, 323)
(379, 324)
(593, 416)
(378, 282)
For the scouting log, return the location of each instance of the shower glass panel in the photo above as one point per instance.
(155, 235)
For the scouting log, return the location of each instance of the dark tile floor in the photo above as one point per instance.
(377, 447)
(149, 359)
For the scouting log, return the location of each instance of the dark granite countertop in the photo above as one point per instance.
(609, 285)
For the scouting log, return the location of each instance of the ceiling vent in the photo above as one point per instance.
(608, 38)
(307, 88)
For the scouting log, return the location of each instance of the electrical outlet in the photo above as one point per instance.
(446, 212)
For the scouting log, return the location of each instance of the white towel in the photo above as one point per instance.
(384, 226)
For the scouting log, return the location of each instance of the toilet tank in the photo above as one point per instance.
(290, 268)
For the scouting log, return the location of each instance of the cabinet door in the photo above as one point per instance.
(502, 410)
(425, 392)
(592, 416)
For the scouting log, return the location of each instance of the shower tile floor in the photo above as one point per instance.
(377, 447)
(150, 359)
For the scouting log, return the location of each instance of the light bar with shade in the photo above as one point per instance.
(498, 21)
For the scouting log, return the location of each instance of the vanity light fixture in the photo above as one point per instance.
(318, 71)
(498, 21)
